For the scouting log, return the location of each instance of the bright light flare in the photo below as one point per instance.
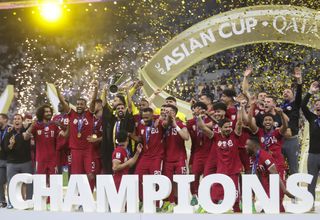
(51, 11)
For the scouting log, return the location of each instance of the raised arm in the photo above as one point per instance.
(201, 125)
(245, 82)
(251, 120)
(183, 132)
(95, 85)
(284, 121)
(298, 76)
(129, 100)
(65, 105)
(239, 124)
(314, 88)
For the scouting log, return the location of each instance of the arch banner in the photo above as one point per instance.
(243, 26)
(6, 99)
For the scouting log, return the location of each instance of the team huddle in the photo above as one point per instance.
(238, 133)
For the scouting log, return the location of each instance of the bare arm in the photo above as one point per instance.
(273, 170)
(95, 84)
(251, 121)
(206, 131)
(238, 128)
(118, 166)
(284, 121)
(183, 132)
(65, 105)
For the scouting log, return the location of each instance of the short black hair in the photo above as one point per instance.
(122, 136)
(255, 139)
(220, 106)
(98, 101)
(4, 116)
(209, 95)
(267, 115)
(148, 110)
(122, 98)
(229, 92)
(223, 121)
(174, 108)
(171, 98)
(82, 99)
(201, 105)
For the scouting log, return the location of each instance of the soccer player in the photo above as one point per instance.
(45, 133)
(228, 98)
(4, 129)
(314, 132)
(62, 143)
(175, 159)
(81, 128)
(263, 165)
(200, 148)
(121, 162)
(150, 134)
(271, 140)
(228, 162)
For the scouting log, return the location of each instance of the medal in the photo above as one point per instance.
(79, 135)
(94, 136)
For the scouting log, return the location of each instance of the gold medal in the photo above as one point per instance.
(79, 135)
(94, 136)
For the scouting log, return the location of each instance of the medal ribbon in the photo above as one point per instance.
(255, 164)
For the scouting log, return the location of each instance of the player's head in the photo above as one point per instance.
(227, 96)
(242, 99)
(317, 107)
(220, 110)
(268, 121)
(288, 95)
(122, 138)
(147, 115)
(206, 98)
(44, 112)
(225, 126)
(171, 110)
(81, 105)
(269, 103)
(3, 119)
(171, 101)
(143, 104)
(163, 111)
(120, 110)
(60, 107)
(262, 96)
(98, 105)
(199, 108)
(252, 145)
(17, 121)
(119, 99)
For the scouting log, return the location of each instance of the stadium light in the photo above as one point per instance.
(51, 11)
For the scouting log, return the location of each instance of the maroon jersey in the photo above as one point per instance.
(201, 144)
(97, 131)
(81, 126)
(120, 154)
(175, 150)
(245, 134)
(45, 138)
(228, 161)
(257, 110)
(152, 140)
(63, 120)
(272, 143)
(231, 114)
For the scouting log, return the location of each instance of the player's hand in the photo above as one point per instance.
(12, 141)
(62, 134)
(94, 83)
(56, 84)
(90, 139)
(248, 71)
(314, 88)
(56, 171)
(139, 148)
(157, 92)
(297, 73)
(278, 110)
